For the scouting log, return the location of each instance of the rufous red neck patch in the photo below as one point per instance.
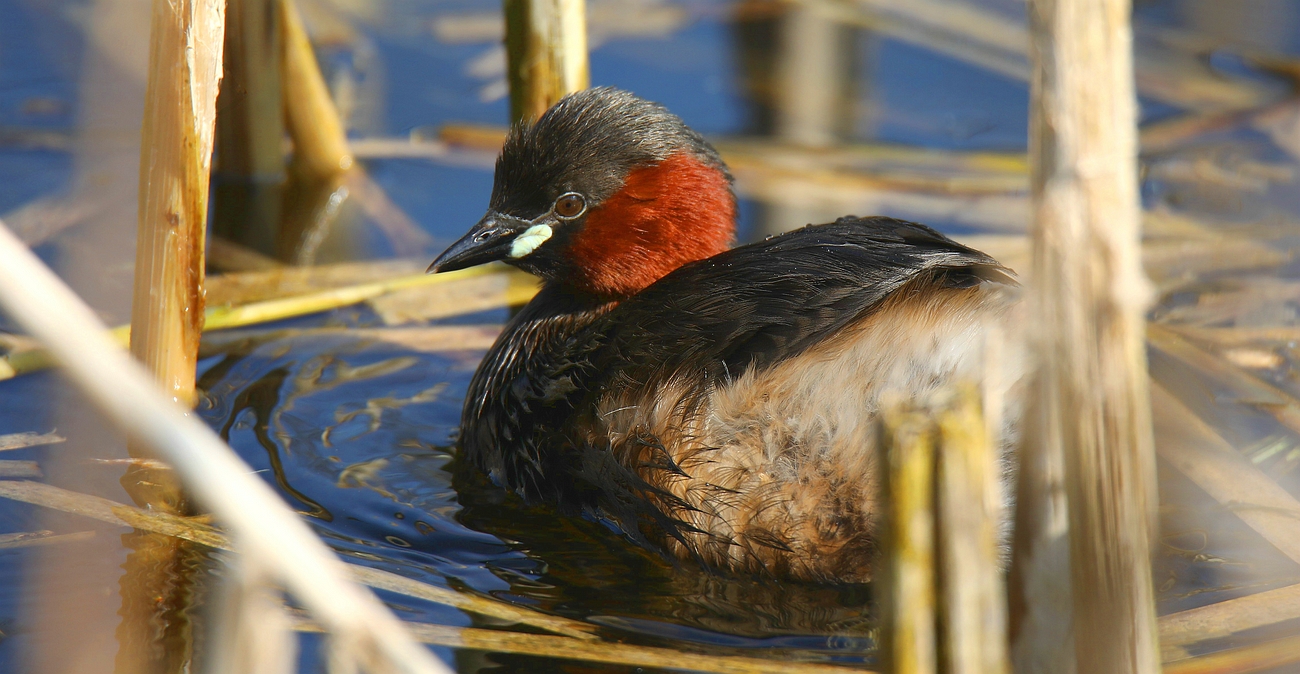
(677, 211)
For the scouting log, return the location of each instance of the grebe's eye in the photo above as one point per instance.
(570, 205)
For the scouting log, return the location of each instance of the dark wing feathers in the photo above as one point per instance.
(756, 305)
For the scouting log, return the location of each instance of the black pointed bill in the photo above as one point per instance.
(492, 239)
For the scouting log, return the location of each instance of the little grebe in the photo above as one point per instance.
(717, 402)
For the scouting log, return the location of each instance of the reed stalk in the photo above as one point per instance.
(185, 67)
(256, 286)
(266, 528)
(943, 606)
(24, 440)
(270, 310)
(546, 53)
(175, 162)
(909, 641)
(1238, 336)
(972, 596)
(320, 144)
(1089, 395)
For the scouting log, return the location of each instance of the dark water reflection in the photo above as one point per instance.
(358, 435)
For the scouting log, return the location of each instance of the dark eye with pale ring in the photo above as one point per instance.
(570, 205)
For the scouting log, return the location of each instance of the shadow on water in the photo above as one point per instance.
(261, 398)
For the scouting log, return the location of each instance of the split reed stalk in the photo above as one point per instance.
(320, 143)
(1088, 295)
(546, 53)
(943, 606)
(972, 607)
(185, 66)
(908, 642)
(175, 161)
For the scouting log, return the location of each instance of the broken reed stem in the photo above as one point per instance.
(908, 640)
(546, 53)
(320, 143)
(185, 68)
(943, 607)
(175, 160)
(1088, 298)
(972, 607)
(186, 58)
(185, 53)
(265, 527)
(10, 469)
(271, 310)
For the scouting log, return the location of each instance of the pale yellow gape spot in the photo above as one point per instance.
(529, 241)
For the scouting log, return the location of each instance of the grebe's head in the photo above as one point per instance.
(606, 193)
